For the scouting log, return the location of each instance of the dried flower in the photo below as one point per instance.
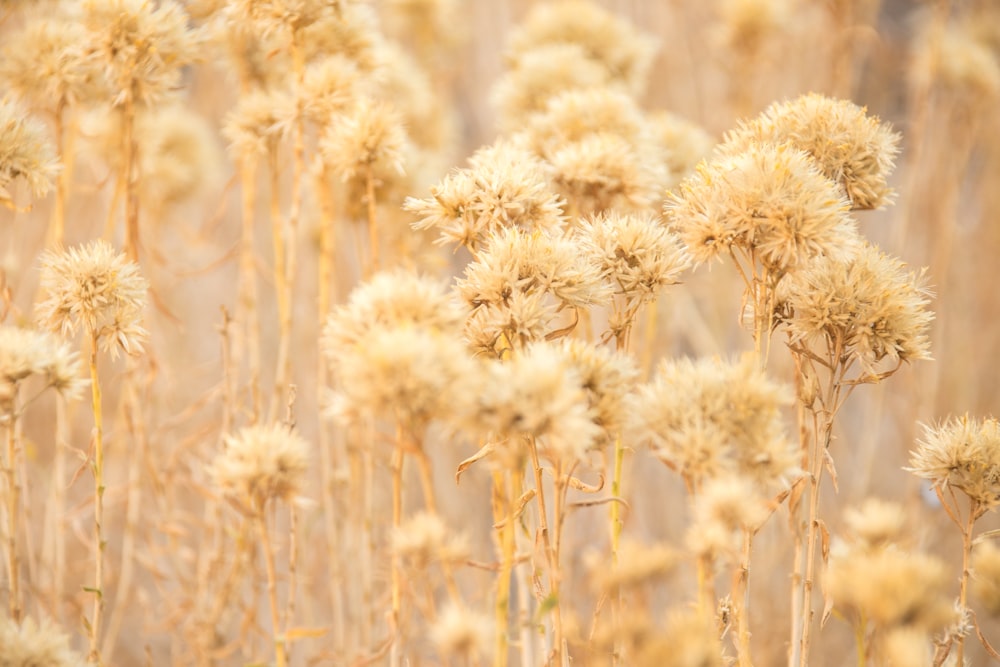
(179, 155)
(459, 631)
(261, 119)
(636, 253)
(750, 26)
(638, 564)
(34, 644)
(625, 53)
(849, 146)
(963, 453)
(867, 304)
(876, 523)
(504, 187)
(329, 87)
(424, 538)
(142, 46)
(577, 114)
(25, 153)
(270, 16)
(708, 417)
(724, 508)
(523, 318)
(24, 353)
(607, 377)
(952, 58)
(262, 463)
(769, 201)
(94, 288)
(682, 144)
(366, 136)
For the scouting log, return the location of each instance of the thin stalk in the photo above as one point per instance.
(553, 565)
(741, 595)
(94, 656)
(372, 222)
(57, 226)
(129, 164)
(13, 497)
(503, 502)
(967, 530)
(272, 587)
(58, 506)
(281, 287)
(617, 525)
(293, 564)
(820, 444)
(247, 315)
(398, 458)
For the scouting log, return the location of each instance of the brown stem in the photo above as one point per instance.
(503, 502)
(398, 458)
(247, 313)
(967, 530)
(129, 167)
(553, 565)
(13, 512)
(94, 655)
(272, 586)
(281, 287)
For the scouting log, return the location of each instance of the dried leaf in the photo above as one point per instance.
(464, 465)
(828, 463)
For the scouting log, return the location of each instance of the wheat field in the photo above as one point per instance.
(499, 333)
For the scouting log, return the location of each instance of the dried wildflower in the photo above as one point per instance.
(518, 261)
(769, 201)
(428, 24)
(708, 417)
(690, 640)
(424, 538)
(351, 30)
(682, 144)
(329, 87)
(260, 119)
(750, 26)
(905, 646)
(94, 288)
(638, 564)
(625, 53)
(951, 58)
(504, 187)
(876, 523)
(270, 16)
(179, 157)
(849, 146)
(866, 308)
(986, 576)
(262, 463)
(142, 47)
(576, 114)
(24, 353)
(430, 124)
(890, 588)
(963, 453)
(390, 299)
(724, 508)
(34, 644)
(541, 74)
(367, 136)
(537, 394)
(521, 319)
(607, 377)
(46, 63)
(410, 373)
(636, 253)
(25, 153)
(459, 631)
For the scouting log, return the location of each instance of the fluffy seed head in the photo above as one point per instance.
(638, 565)
(261, 118)
(963, 453)
(607, 377)
(262, 463)
(724, 508)
(461, 632)
(424, 538)
(682, 144)
(876, 523)
(850, 147)
(34, 644)
(986, 576)
(24, 353)
(368, 135)
(95, 288)
(25, 153)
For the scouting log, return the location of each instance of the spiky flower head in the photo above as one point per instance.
(636, 253)
(724, 508)
(637, 565)
(876, 523)
(749, 27)
(461, 632)
(986, 576)
(25, 353)
(368, 135)
(956, 61)
(34, 644)
(769, 201)
(260, 119)
(708, 417)
(850, 147)
(505, 186)
(607, 377)
(142, 46)
(867, 304)
(576, 114)
(962, 453)
(261, 463)
(277, 16)
(25, 153)
(330, 86)
(97, 289)
(179, 155)
(425, 538)
(682, 143)
(624, 52)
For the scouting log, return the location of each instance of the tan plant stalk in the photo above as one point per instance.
(247, 314)
(130, 178)
(282, 289)
(398, 458)
(557, 657)
(57, 226)
(13, 498)
(372, 221)
(260, 517)
(97, 467)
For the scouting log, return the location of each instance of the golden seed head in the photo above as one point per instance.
(25, 153)
(876, 523)
(963, 453)
(462, 632)
(261, 463)
(34, 644)
(607, 377)
(367, 135)
(24, 353)
(986, 575)
(723, 509)
(94, 288)
(259, 121)
(638, 565)
(424, 538)
(682, 144)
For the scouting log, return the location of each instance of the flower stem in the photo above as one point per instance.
(94, 656)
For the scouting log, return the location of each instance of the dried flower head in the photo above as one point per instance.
(142, 46)
(25, 353)
(429, 121)
(963, 453)
(866, 307)
(607, 377)
(890, 588)
(275, 16)
(368, 135)
(47, 64)
(390, 299)
(682, 144)
(986, 576)
(25, 153)
(724, 508)
(261, 463)
(636, 253)
(708, 417)
(462, 632)
(876, 523)
(952, 59)
(351, 29)
(523, 318)
(34, 644)
(638, 565)
(849, 146)
(749, 27)
(259, 121)
(905, 646)
(769, 201)
(179, 155)
(95, 288)
(330, 86)
(539, 75)
(576, 114)
(424, 538)
(505, 186)
(537, 394)
(625, 53)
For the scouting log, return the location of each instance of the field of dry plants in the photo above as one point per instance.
(499, 333)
